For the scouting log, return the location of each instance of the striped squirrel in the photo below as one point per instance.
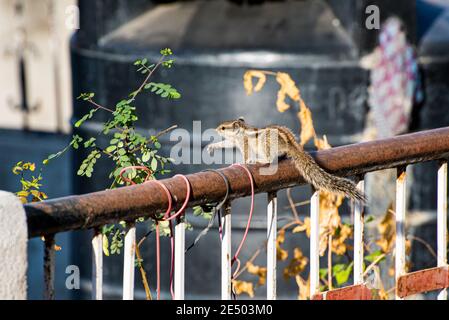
(259, 146)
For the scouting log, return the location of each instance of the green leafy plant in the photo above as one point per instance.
(126, 146)
(31, 184)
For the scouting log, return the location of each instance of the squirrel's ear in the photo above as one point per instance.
(241, 119)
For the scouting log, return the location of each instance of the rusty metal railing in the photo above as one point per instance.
(91, 211)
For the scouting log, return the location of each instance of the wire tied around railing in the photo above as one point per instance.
(168, 217)
(248, 224)
(165, 217)
(215, 211)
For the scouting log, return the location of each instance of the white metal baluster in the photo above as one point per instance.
(97, 265)
(401, 185)
(271, 245)
(442, 221)
(180, 232)
(49, 268)
(226, 272)
(129, 260)
(358, 237)
(314, 244)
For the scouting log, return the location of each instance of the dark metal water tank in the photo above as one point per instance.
(318, 42)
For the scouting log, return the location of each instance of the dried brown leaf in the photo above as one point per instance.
(307, 129)
(281, 254)
(248, 81)
(330, 220)
(338, 240)
(296, 265)
(243, 287)
(261, 272)
(387, 231)
(287, 89)
(288, 85)
(303, 227)
(322, 144)
(280, 102)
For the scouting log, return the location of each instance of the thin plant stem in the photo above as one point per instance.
(143, 274)
(292, 204)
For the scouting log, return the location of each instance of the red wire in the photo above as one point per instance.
(158, 262)
(186, 201)
(172, 241)
(235, 258)
(158, 246)
(166, 214)
(168, 217)
(143, 168)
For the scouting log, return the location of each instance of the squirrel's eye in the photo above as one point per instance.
(222, 128)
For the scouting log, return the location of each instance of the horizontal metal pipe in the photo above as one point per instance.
(127, 203)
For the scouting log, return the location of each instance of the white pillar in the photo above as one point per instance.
(13, 248)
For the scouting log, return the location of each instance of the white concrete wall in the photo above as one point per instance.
(41, 35)
(13, 248)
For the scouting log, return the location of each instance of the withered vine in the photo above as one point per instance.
(335, 234)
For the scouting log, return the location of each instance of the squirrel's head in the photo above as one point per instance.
(231, 128)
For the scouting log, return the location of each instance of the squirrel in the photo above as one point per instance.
(258, 145)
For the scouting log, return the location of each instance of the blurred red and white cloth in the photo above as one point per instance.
(395, 85)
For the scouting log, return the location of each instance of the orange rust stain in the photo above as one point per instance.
(355, 292)
(401, 177)
(423, 281)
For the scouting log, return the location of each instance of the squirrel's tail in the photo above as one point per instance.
(321, 179)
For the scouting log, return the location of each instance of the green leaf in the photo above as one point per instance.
(106, 245)
(80, 121)
(52, 156)
(166, 52)
(86, 96)
(85, 117)
(168, 63)
(111, 148)
(89, 143)
(175, 95)
(163, 89)
(373, 256)
(197, 210)
(323, 273)
(121, 103)
(146, 156)
(125, 161)
(342, 273)
(154, 164)
(338, 267)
